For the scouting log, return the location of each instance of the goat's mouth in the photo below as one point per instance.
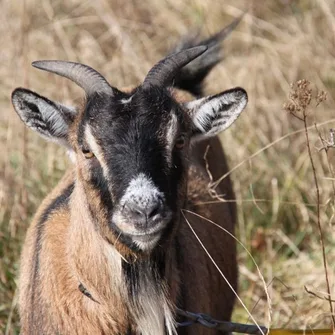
(132, 228)
(143, 236)
(140, 240)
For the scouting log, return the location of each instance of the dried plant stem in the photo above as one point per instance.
(220, 271)
(316, 295)
(319, 220)
(326, 146)
(24, 149)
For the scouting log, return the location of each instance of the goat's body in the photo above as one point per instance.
(59, 255)
(110, 250)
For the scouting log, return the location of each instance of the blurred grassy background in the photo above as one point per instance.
(278, 42)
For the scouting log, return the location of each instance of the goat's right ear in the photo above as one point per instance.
(50, 119)
(213, 114)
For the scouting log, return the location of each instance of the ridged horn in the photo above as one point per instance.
(163, 72)
(84, 76)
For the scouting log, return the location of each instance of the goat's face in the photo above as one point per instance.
(131, 149)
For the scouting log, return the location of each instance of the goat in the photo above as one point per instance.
(109, 250)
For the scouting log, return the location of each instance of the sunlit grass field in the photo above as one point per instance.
(277, 43)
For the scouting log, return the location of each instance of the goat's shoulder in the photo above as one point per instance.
(57, 200)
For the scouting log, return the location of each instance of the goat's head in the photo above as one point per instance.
(131, 149)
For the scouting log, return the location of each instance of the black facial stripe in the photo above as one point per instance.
(99, 182)
(143, 153)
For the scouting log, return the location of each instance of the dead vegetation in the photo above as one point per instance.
(278, 43)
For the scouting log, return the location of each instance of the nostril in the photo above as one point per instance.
(138, 212)
(134, 211)
(151, 212)
(145, 212)
(154, 208)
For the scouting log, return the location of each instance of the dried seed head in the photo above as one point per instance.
(320, 97)
(300, 98)
(290, 107)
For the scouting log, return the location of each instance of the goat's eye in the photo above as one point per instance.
(88, 153)
(180, 142)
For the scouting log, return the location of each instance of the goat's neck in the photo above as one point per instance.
(146, 287)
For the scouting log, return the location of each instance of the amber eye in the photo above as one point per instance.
(88, 153)
(180, 142)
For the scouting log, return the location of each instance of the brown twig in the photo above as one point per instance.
(212, 192)
(326, 145)
(300, 99)
(319, 220)
(317, 295)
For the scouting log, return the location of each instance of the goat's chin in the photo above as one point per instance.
(146, 242)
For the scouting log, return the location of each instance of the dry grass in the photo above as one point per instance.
(277, 43)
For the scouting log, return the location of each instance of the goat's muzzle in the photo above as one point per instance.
(144, 215)
(143, 222)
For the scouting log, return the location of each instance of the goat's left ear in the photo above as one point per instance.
(213, 114)
(49, 119)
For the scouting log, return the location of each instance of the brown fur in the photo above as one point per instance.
(64, 250)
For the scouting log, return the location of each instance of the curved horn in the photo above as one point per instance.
(164, 71)
(84, 76)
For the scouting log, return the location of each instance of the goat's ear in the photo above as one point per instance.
(50, 119)
(213, 114)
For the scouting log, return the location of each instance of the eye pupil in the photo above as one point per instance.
(180, 142)
(87, 153)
